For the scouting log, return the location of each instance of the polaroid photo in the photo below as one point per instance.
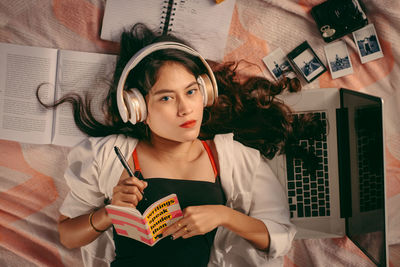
(338, 59)
(367, 44)
(278, 64)
(306, 62)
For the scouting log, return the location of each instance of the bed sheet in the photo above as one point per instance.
(32, 186)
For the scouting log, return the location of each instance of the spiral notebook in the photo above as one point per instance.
(203, 23)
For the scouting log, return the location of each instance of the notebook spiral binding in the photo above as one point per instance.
(167, 16)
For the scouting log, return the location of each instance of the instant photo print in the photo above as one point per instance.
(278, 65)
(337, 18)
(338, 59)
(367, 44)
(306, 62)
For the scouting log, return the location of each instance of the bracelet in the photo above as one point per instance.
(91, 223)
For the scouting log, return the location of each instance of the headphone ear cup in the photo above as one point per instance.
(136, 105)
(206, 89)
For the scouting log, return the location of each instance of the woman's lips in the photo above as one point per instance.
(188, 124)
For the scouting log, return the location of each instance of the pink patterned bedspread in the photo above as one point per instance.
(32, 186)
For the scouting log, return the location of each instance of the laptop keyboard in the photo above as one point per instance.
(308, 190)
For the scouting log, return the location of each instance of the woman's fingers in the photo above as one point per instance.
(135, 182)
(130, 189)
(197, 220)
(128, 192)
(184, 232)
(177, 229)
(183, 229)
(126, 199)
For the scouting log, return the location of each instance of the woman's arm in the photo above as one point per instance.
(251, 229)
(80, 231)
(77, 232)
(198, 220)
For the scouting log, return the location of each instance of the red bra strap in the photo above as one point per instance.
(210, 155)
(136, 161)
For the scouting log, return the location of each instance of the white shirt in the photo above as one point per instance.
(247, 180)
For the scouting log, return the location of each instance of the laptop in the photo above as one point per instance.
(344, 193)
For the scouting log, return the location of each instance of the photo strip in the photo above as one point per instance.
(338, 59)
(306, 62)
(367, 44)
(278, 65)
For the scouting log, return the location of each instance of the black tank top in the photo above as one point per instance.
(194, 251)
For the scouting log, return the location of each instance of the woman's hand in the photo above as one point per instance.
(127, 192)
(197, 220)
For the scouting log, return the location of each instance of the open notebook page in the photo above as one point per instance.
(204, 24)
(123, 14)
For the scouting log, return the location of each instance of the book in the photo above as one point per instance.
(149, 226)
(204, 24)
(24, 68)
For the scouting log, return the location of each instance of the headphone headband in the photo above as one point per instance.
(147, 50)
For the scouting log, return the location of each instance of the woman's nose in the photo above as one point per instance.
(184, 107)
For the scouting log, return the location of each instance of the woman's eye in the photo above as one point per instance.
(165, 98)
(191, 91)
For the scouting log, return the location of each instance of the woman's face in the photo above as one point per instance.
(175, 104)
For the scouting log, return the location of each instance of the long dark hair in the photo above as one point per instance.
(246, 107)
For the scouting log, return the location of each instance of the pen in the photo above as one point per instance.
(126, 166)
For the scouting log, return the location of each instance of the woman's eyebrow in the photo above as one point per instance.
(163, 91)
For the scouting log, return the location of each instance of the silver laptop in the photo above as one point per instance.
(343, 193)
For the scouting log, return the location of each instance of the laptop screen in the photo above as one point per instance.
(366, 206)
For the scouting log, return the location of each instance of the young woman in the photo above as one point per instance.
(235, 212)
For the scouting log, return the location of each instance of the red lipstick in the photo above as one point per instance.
(188, 124)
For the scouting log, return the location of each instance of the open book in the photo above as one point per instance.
(203, 23)
(24, 68)
(149, 226)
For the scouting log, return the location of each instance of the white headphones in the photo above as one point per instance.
(131, 104)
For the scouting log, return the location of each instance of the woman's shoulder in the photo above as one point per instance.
(227, 143)
(233, 155)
